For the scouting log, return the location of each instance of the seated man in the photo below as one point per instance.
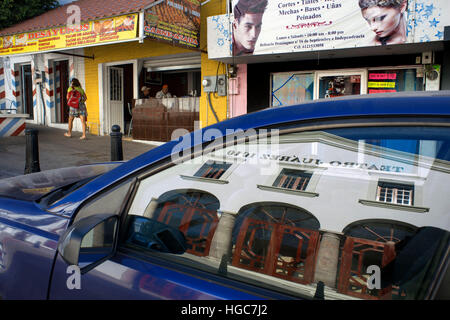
(164, 93)
(145, 93)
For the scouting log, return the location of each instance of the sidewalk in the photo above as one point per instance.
(57, 151)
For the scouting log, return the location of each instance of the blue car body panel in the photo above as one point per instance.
(125, 277)
(28, 240)
(30, 267)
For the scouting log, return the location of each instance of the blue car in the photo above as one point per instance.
(342, 198)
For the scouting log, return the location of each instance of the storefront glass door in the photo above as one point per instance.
(337, 84)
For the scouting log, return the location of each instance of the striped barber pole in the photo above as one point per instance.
(16, 87)
(2, 88)
(58, 83)
(71, 70)
(12, 126)
(49, 93)
(33, 78)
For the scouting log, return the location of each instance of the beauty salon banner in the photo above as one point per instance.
(175, 21)
(88, 33)
(312, 25)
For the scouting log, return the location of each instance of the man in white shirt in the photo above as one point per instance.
(164, 93)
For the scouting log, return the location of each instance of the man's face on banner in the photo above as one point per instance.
(382, 20)
(246, 31)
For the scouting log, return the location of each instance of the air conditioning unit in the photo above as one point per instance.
(432, 77)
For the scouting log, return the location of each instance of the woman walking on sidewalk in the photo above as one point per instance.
(76, 98)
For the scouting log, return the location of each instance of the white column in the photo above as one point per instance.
(221, 242)
(327, 259)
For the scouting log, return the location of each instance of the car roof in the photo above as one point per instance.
(435, 103)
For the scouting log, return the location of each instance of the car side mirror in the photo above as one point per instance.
(155, 235)
(89, 242)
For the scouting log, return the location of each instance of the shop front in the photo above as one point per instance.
(41, 63)
(297, 82)
(126, 78)
(119, 85)
(303, 51)
(114, 57)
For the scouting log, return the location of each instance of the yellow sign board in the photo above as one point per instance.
(88, 33)
(177, 22)
(373, 84)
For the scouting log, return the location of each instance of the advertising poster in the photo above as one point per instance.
(285, 26)
(88, 33)
(175, 21)
(382, 82)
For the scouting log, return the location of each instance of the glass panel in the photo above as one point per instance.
(383, 81)
(337, 86)
(111, 84)
(289, 89)
(120, 84)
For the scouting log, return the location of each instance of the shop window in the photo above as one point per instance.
(395, 193)
(116, 84)
(293, 179)
(291, 88)
(276, 239)
(384, 81)
(339, 85)
(213, 170)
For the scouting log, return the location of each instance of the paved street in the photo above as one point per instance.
(57, 151)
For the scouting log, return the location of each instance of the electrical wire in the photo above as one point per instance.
(212, 108)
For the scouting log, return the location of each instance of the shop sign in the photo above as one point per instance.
(286, 26)
(381, 82)
(88, 33)
(175, 21)
(299, 160)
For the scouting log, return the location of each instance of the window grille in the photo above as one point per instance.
(213, 170)
(395, 193)
(293, 179)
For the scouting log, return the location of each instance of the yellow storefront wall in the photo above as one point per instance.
(113, 53)
(150, 48)
(210, 67)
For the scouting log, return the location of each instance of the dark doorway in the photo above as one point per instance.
(62, 68)
(27, 91)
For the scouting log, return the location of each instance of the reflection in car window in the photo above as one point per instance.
(192, 212)
(35, 185)
(355, 212)
(111, 201)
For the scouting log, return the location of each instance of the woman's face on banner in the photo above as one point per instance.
(384, 21)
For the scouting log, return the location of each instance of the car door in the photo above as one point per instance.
(343, 212)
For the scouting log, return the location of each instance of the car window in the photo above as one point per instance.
(110, 201)
(363, 215)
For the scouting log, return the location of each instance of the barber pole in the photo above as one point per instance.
(33, 79)
(58, 84)
(12, 126)
(2, 88)
(49, 93)
(71, 70)
(16, 88)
